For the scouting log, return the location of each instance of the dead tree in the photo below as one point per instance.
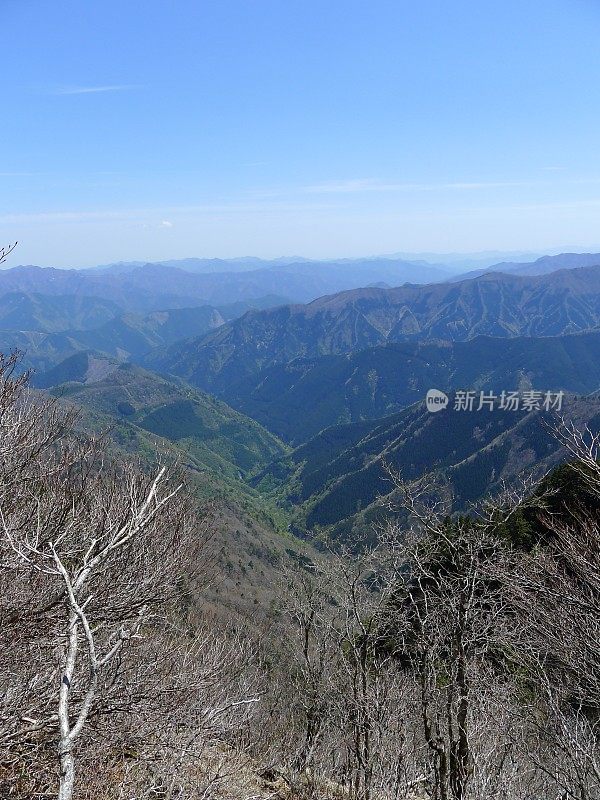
(95, 558)
(450, 624)
(555, 589)
(346, 695)
(6, 251)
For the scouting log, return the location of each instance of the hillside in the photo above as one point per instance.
(498, 305)
(213, 436)
(160, 422)
(250, 541)
(46, 336)
(337, 479)
(299, 398)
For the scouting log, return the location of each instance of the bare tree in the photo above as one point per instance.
(6, 251)
(455, 630)
(555, 589)
(347, 702)
(95, 562)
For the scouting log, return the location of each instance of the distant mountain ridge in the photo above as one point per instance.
(567, 301)
(203, 265)
(150, 287)
(541, 266)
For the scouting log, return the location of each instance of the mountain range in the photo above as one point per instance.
(566, 301)
(151, 287)
(340, 379)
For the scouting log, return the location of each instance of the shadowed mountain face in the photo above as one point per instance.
(297, 399)
(339, 480)
(498, 305)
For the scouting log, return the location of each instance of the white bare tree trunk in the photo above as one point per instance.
(65, 745)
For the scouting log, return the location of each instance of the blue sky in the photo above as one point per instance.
(172, 128)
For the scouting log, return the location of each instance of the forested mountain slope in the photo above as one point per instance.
(299, 398)
(212, 435)
(567, 301)
(335, 480)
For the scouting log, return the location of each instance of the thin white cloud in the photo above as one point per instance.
(144, 216)
(62, 216)
(357, 185)
(66, 90)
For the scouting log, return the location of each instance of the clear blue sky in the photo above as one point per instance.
(172, 128)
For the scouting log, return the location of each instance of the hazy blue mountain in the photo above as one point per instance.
(546, 264)
(459, 262)
(350, 273)
(123, 337)
(541, 266)
(51, 314)
(150, 287)
(498, 305)
(204, 265)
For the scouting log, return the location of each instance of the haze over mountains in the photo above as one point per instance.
(152, 287)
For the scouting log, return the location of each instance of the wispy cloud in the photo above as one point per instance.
(119, 87)
(152, 217)
(357, 185)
